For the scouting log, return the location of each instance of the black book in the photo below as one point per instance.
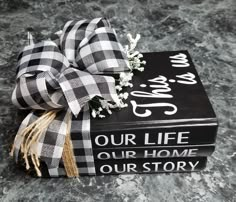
(167, 106)
(153, 152)
(142, 166)
(145, 166)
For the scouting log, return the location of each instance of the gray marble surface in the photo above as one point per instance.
(206, 28)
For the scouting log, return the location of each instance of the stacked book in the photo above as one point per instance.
(169, 125)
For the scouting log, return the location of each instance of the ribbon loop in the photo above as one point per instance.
(101, 52)
(76, 31)
(41, 57)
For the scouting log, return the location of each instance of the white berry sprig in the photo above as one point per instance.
(135, 63)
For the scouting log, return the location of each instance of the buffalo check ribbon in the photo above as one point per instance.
(63, 75)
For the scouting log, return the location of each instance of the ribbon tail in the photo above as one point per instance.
(82, 144)
(80, 160)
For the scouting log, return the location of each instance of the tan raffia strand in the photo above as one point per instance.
(68, 155)
(31, 135)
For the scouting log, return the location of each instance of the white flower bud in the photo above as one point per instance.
(101, 116)
(140, 55)
(125, 95)
(144, 62)
(138, 36)
(109, 111)
(94, 114)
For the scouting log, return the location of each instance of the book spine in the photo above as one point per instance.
(153, 152)
(145, 166)
(162, 136)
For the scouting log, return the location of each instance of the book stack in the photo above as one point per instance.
(169, 125)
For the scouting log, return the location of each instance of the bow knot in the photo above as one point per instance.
(65, 73)
(70, 70)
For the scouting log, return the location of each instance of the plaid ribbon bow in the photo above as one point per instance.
(64, 75)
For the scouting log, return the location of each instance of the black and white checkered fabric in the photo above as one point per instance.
(65, 74)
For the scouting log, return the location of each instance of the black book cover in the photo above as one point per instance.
(153, 152)
(145, 166)
(167, 106)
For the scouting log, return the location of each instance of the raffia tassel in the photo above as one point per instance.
(68, 156)
(31, 135)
